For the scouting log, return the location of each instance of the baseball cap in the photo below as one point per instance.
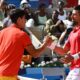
(25, 2)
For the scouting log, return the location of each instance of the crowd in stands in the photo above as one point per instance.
(41, 23)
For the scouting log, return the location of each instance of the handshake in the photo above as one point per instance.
(65, 59)
(51, 41)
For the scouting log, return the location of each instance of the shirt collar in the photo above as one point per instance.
(13, 25)
(76, 28)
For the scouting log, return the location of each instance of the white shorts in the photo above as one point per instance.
(74, 74)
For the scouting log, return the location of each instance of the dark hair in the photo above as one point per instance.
(11, 6)
(56, 11)
(42, 5)
(60, 3)
(77, 8)
(15, 14)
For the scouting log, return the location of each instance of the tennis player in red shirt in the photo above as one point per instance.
(73, 46)
(13, 41)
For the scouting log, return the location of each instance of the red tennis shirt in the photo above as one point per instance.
(12, 44)
(73, 43)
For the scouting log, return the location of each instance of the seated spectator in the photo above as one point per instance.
(3, 9)
(24, 3)
(3, 13)
(62, 13)
(54, 26)
(69, 24)
(29, 14)
(27, 7)
(41, 15)
(7, 20)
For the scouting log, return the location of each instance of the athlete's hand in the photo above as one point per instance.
(48, 40)
(66, 59)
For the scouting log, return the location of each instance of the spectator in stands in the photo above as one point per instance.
(47, 2)
(54, 26)
(72, 46)
(62, 12)
(29, 14)
(12, 47)
(68, 22)
(41, 15)
(3, 12)
(24, 3)
(3, 9)
(27, 7)
(7, 20)
(69, 26)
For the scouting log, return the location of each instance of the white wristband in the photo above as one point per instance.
(76, 56)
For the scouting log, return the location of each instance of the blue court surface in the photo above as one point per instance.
(44, 73)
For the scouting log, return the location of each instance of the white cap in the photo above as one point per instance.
(23, 1)
(26, 2)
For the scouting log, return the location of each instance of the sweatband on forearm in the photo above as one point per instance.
(76, 56)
